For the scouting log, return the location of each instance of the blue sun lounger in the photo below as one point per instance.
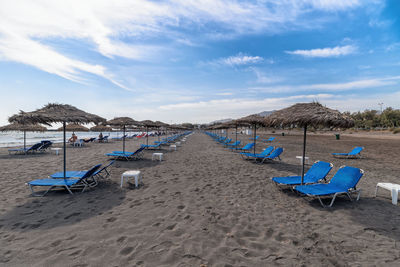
(263, 154)
(120, 155)
(34, 148)
(274, 155)
(356, 152)
(253, 139)
(318, 171)
(69, 183)
(233, 144)
(80, 174)
(245, 148)
(343, 182)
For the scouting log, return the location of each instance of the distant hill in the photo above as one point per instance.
(263, 113)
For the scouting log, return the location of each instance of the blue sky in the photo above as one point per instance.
(198, 61)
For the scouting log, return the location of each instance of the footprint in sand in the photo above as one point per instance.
(180, 207)
(111, 219)
(126, 251)
(121, 239)
(72, 215)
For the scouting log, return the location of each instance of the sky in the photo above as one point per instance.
(198, 60)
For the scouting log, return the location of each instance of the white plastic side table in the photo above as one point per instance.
(56, 150)
(159, 155)
(301, 159)
(393, 188)
(172, 147)
(134, 173)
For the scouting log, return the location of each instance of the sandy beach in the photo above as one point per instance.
(203, 205)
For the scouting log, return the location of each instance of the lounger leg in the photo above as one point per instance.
(69, 190)
(376, 190)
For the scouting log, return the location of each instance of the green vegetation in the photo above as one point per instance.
(372, 119)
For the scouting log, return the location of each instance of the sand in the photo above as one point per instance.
(202, 206)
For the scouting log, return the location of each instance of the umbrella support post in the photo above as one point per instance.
(24, 140)
(123, 141)
(147, 135)
(65, 151)
(236, 136)
(255, 141)
(304, 154)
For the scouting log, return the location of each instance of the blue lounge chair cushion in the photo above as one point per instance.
(345, 178)
(53, 182)
(355, 151)
(263, 154)
(318, 171)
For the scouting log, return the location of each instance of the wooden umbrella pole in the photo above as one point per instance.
(236, 136)
(255, 141)
(65, 151)
(123, 141)
(24, 140)
(147, 135)
(304, 154)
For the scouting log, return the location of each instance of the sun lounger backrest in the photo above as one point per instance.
(346, 177)
(91, 171)
(319, 169)
(267, 151)
(35, 146)
(248, 146)
(356, 150)
(276, 153)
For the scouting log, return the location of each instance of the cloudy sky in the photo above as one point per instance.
(198, 60)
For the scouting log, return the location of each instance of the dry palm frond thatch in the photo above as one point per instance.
(23, 127)
(253, 119)
(52, 113)
(308, 114)
(74, 127)
(123, 121)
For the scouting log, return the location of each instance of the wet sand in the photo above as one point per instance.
(202, 206)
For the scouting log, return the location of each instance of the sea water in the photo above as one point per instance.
(13, 139)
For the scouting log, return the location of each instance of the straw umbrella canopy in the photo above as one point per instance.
(161, 124)
(74, 127)
(231, 124)
(122, 122)
(24, 128)
(308, 114)
(53, 113)
(254, 120)
(148, 124)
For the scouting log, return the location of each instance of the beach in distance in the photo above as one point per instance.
(203, 205)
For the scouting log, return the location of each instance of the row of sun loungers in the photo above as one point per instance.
(315, 184)
(80, 180)
(38, 147)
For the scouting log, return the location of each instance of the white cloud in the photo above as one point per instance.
(326, 52)
(331, 87)
(121, 28)
(240, 59)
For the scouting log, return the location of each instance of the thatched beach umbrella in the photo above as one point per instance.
(122, 122)
(160, 124)
(231, 124)
(53, 113)
(24, 128)
(74, 127)
(148, 124)
(308, 114)
(254, 120)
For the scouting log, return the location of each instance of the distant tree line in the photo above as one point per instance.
(373, 119)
